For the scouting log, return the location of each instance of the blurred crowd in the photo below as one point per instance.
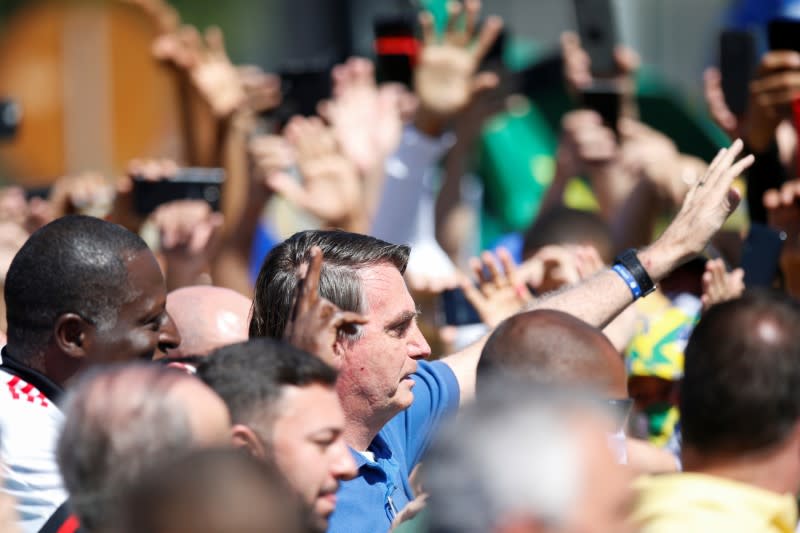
(287, 350)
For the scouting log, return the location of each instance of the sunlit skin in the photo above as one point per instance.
(143, 327)
(375, 370)
(308, 446)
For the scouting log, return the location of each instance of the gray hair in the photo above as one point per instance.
(344, 256)
(119, 422)
(515, 453)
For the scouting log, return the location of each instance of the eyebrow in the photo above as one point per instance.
(402, 318)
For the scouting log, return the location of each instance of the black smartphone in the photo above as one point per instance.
(396, 49)
(597, 29)
(457, 309)
(37, 192)
(761, 255)
(192, 183)
(10, 117)
(302, 89)
(783, 34)
(737, 64)
(604, 99)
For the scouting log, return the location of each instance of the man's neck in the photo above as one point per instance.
(775, 470)
(360, 431)
(40, 362)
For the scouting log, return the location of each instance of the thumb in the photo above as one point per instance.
(485, 81)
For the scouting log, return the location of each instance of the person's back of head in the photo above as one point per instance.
(563, 225)
(250, 376)
(211, 491)
(72, 284)
(207, 318)
(286, 410)
(119, 421)
(344, 254)
(526, 458)
(739, 392)
(552, 347)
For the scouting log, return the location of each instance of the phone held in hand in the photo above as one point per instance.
(597, 29)
(190, 183)
(457, 310)
(396, 49)
(761, 255)
(606, 100)
(783, 34)
(737, 65)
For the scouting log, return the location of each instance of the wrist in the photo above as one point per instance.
(661, 258)
(429, 122)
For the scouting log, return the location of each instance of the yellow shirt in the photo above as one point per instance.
(693, 503)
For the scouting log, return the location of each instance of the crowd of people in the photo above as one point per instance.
(618, 376)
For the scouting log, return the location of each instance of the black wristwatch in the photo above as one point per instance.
(631, 263)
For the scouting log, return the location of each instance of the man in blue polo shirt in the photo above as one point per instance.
(393, 400)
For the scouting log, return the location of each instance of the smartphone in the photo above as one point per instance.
(737, 64)
(10, 117)
(597, 29)
(604, 99)
(302, 89)
(396, 49)
(457, 309)
(783, 34)
(191, 183)
(761, 255)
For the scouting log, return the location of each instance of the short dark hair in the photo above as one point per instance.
(563, 225)
(75, 264)
(344, 255)
(739, 391)
(211, 490)
(250, 376)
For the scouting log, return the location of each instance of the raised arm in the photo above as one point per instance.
(599, 299)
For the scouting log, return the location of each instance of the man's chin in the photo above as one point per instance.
(318, 522)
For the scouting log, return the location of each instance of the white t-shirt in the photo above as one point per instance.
(29, 427)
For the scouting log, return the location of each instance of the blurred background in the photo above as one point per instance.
(94, 98)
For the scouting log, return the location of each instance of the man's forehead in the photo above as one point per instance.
(384, 286)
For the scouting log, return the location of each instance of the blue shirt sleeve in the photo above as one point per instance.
(436, 396)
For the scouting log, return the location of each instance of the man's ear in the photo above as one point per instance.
(244, 437)
(72, 335)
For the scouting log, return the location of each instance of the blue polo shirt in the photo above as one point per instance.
(369, 502)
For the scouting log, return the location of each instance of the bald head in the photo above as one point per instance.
(122, 419)
(207, 318)
(553, 347)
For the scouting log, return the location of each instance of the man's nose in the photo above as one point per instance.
(418, 347)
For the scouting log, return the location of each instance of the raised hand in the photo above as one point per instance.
(577, 65)
(189, 233)
(717, 106)
(331, 187)
(499, 294)
(270, 154)
(719, 285)
(262, 90)
(771, 94)
(205, 61)
(649, 154)
(707, 205)
(88, 193)
(365, 118)
(447, 78)
(122, 210)
(316, 323)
